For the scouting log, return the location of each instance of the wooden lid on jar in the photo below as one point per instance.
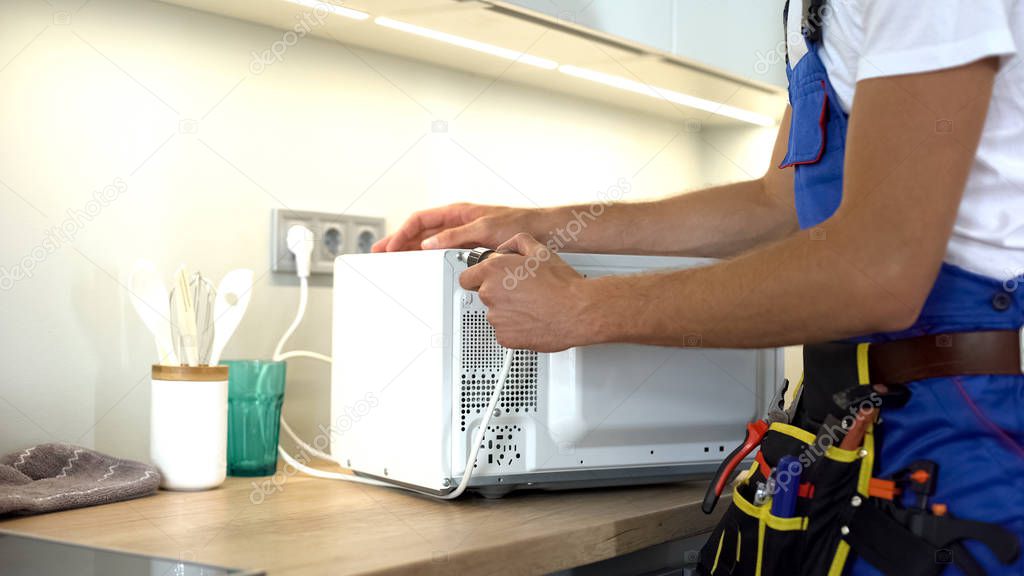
(190, 373)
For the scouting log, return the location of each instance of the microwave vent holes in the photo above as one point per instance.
(482, 359)
(502, 446)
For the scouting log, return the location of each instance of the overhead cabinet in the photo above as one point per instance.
(744, 38)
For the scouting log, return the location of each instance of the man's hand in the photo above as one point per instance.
(534, 299)
(459, 226)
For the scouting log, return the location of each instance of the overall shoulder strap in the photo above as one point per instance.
(814, 19)
(811, 23)
(785, 29)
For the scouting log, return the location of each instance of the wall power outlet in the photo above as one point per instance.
(333, 234)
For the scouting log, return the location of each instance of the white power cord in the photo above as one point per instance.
(300, 242)
(478, 439)
(302, 444)
(299, 315)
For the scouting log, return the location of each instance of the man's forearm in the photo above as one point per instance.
(715, 222)
(746, 302)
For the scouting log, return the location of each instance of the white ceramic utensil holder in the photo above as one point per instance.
(189, 426)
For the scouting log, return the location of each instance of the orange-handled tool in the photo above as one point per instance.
(755, 432)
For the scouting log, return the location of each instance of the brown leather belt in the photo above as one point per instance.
(995, 352)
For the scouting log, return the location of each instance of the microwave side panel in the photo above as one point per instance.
(628, 405)
(388, 371)
(610, 406)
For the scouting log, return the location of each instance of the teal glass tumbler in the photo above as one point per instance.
(255, 396)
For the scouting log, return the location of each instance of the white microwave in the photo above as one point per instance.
(415, 363)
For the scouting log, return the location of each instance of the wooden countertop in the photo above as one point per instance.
(313, 526)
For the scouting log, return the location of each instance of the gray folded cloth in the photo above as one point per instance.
(51, 477)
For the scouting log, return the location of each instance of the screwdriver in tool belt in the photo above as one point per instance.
(855, 435)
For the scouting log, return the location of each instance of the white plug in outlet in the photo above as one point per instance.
(333, 235)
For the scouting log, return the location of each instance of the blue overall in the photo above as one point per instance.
(967, 425)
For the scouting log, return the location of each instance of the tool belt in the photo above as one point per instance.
(811, 498)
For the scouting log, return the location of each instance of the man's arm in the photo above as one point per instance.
(716, 222)
(869, 268)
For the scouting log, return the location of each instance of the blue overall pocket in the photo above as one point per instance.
(808, 125)
(816, 148)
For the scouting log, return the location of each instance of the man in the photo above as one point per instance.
(893, 210)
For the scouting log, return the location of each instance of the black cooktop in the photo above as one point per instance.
(25, 556)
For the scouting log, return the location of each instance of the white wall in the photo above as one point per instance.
(159, 100)
(744, 37)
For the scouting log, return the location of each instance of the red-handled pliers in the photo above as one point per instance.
(755, 432)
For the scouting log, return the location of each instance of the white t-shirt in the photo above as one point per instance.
(871, 38)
